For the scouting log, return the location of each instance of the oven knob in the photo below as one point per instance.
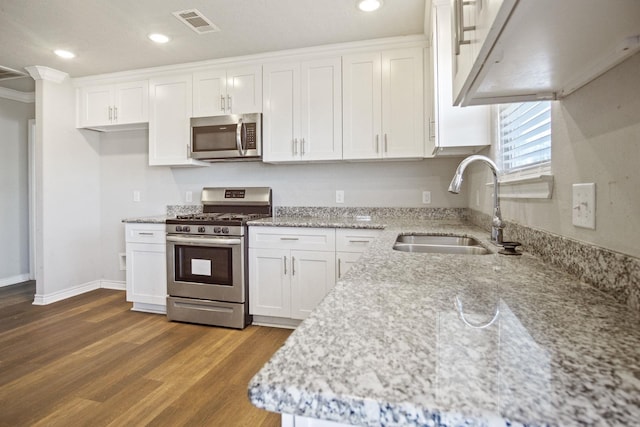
(201, 229)
(186, 228)
(217, 230)
(178, 228)
(225, 230)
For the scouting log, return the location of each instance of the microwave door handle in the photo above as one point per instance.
(241, 136)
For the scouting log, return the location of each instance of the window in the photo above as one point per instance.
(524, 136)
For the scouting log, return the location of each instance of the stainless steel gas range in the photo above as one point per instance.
(207, 253)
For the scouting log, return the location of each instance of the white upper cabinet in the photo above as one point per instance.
(302, 111)
(218, 92)
(169, 121)
(106, 107)
(528, 50)
(383, 109)
(454, 130)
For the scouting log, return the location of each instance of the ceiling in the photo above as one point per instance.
(110, 36)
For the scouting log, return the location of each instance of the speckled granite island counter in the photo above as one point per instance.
(408, 339)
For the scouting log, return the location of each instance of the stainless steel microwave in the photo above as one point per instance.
(232, 137)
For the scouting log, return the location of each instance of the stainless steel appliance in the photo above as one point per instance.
(227, 138)
(207, 253)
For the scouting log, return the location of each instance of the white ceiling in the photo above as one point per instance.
(111, 35)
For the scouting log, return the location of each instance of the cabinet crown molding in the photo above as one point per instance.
(16, 95)
(39, 72)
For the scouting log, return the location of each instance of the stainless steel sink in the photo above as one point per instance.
(438, 244)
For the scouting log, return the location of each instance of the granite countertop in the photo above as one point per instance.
(408, 339)
(158, 219)
(320, 222)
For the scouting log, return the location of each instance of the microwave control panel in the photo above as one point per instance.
(250, 142)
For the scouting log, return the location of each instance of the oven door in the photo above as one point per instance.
(208, 268)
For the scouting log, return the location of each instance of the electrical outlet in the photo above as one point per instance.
(584, 205)
(426, 197)
(136, 196)
(188, 197)
(339, 196)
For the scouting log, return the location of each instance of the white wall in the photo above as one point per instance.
(595, 138)
(14, 208)
(124, 168)
(68, 196)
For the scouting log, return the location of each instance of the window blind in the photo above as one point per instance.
(525, 135)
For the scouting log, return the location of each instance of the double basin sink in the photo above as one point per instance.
(438, 244)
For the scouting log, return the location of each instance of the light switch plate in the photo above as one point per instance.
(136, 196)
(426, 197)
(584, 205)
(339, 196)
(188, 197)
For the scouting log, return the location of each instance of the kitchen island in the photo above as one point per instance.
(410, 339)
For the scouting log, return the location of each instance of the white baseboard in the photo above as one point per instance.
(40, 299)
(8, 281)
(276, 322)
(117, 285)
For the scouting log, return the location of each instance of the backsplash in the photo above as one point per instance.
(612, 272)
(379, 213)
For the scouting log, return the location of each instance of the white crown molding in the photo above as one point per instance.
(335, 49)
(39, 72)
(16, 95)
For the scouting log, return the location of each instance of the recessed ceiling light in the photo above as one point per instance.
(369, 5)
(64, 54)
(158, 38)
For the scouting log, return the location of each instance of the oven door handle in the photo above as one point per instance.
(199, 241)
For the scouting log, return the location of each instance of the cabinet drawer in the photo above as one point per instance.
(354, 240)
(145, 233)
(313, 239)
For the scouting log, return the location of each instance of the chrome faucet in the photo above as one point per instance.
(497, 225)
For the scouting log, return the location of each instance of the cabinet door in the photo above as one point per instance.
(269, 283)
(244, 88)
(131, 102)
(403, 103)
(146, 273)
(281, 119)
(312, 277)
(458, 130)
(321, 109)
(344, 261)
(362, 124)
(210, 93)
(96, 106)
(169, 121)
(463, 14)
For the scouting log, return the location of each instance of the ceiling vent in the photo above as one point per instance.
(8, 73)
(195, 20)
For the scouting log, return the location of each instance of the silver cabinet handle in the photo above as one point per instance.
(459, 24)
(339, 269)
(302, 147)
(229, 103)
(285, 266)
(188, 151)
(289, 238)
(222, 102)
(295, 146)
(145, 233)
(293, 266)
(110, 113)
(358, 241)
(386, 144)
(115, 114)
(377, 145)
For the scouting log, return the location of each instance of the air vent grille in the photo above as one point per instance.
(195, 20)
(9, 73)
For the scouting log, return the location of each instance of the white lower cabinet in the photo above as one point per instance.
(290, 270)
(146, 267)
(350, 244)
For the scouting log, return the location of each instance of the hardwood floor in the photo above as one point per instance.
(90, 361)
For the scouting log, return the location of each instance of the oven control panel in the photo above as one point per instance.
(206, 230)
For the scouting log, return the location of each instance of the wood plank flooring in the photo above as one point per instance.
(90, 361)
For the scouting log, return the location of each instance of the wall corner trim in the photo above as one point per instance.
(39, 72)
